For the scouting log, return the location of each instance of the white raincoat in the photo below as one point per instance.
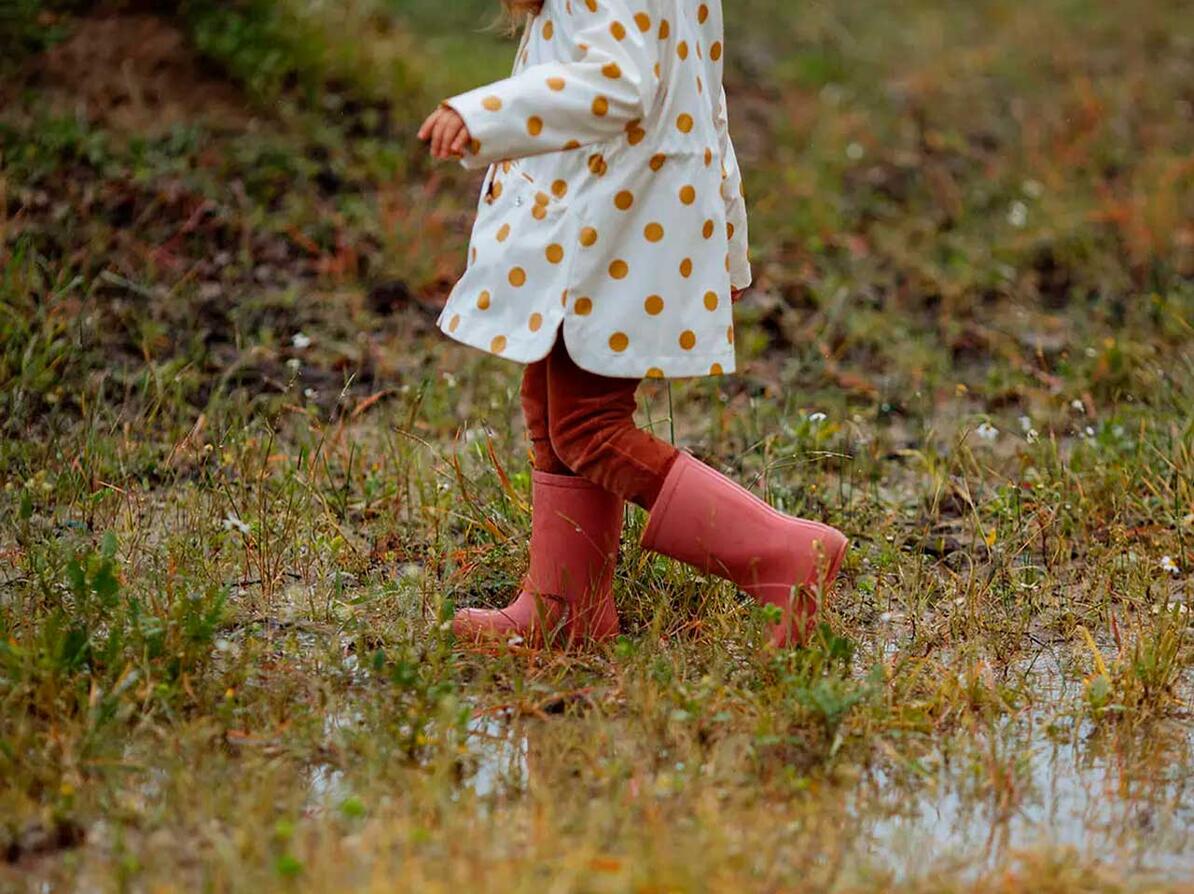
(613, 203)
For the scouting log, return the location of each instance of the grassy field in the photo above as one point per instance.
(243, 481)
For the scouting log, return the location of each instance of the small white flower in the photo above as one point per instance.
(886, 617)
(1077, 406)
(232, 523)
(310, 393)
(1025, 424)
(817, 418)
(1091, 352)
(301, 341)
(855, 151)
(987, 431)
(1034, 189)
(1167, 564)
(515, 640)
(1032, 436)
(1088, 432)
(294, 364)
(1017, 214)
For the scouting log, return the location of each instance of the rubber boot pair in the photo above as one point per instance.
(701, 518)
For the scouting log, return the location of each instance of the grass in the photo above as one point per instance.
(243, 482)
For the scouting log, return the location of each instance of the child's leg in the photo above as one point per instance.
(697, 514)
(575, 529)
(591, 423)
(534, 411)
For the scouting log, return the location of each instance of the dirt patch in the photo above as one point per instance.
(135, 73)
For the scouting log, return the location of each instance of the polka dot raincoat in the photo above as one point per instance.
(613, 205)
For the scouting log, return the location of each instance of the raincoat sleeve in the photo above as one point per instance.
(606, 89)
(734, 196)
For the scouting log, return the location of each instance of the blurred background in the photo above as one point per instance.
(925, 168)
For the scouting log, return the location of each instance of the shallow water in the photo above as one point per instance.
(1074, 794)
(1056, 782)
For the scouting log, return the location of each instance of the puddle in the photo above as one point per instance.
(1067, 797)
(1077, 789)
(498, 753)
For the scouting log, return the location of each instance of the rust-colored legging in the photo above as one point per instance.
(582, 423)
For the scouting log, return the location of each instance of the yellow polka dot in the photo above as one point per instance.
(535, 322)
(588, 237)
(643, 21)
(555, 253)
(474, 146)
(657, 161)
(572, 144)
(611, 70)
(472, 256)
(727, 262)
(623, 200)
(492, 103)
(582, 307)
(498, 344)
(619, 269)
(518, 277)
(729, 231)
(700, 85)
(618, 30)
(503, 233)
(454, 323)
(653, 305)
(730, 334)
(618, 342)
(556, 84)
(495, 189)
(687, 195)
(483, 301)
(665, 29)
(703, 13)
(542, 198)
(534, 125)
(711, 301)
(682, 49)
(548, 30)
(716, 370)
(559, 189)
(715, 50)
(686, 268)
(708, 157)
(597, 164)
(655, 373)
(601, 106)
(653, 232)
(684, 123)
(635, 134)
(707, 230)
(539, 212)
(687, 339)
(592, 4)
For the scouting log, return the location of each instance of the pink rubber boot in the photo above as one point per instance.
(706, 520)
(568, 591)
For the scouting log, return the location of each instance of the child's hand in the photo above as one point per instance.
(445, 133)
(736, 295)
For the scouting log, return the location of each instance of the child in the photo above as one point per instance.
(609, 245)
